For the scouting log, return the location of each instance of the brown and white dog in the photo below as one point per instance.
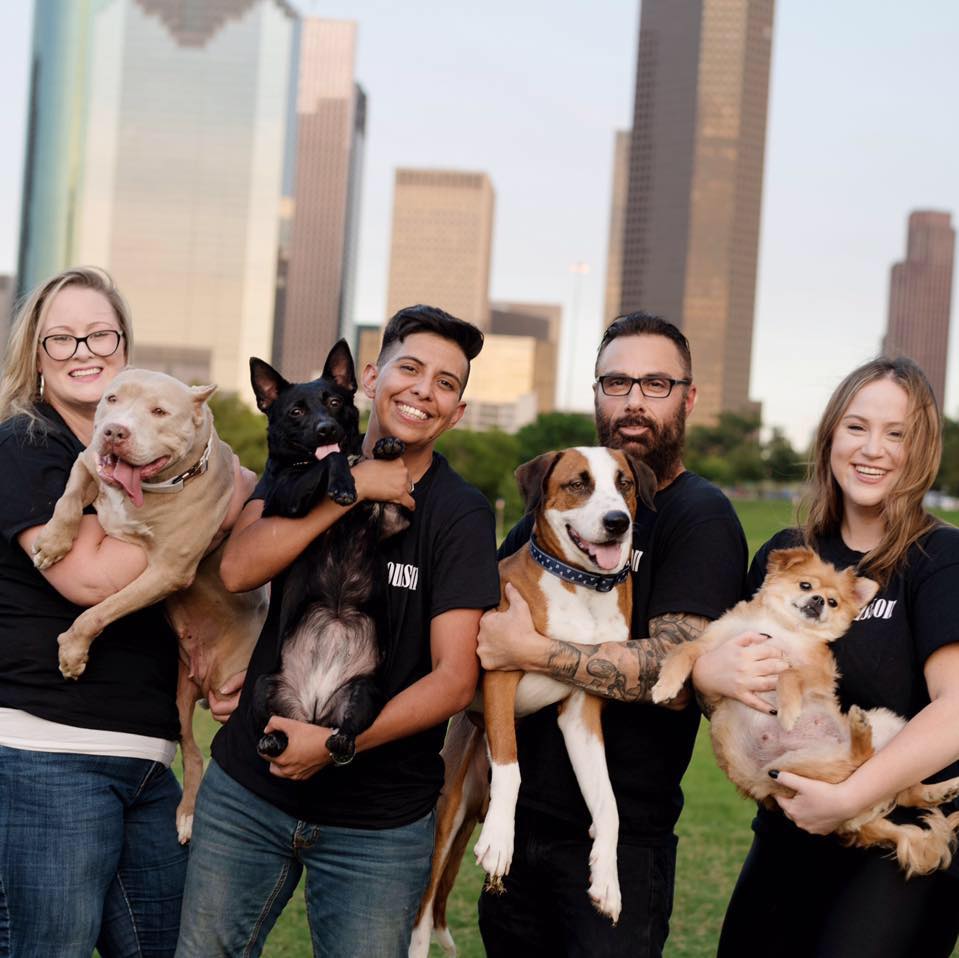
(575, 576)
(804, 604)
(161, 478)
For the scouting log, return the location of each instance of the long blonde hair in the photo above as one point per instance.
(906, 520)
(20, 386)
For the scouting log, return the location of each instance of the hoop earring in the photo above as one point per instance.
(42, 384)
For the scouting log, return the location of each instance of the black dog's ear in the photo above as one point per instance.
(531, 478)
(267, 383)
(339, 366)
(646, 484)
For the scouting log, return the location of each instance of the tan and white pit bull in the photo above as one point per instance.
(160, 477)
(575, 577)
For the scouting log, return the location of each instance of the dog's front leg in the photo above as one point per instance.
(58, 535)
(789, 695)
(580, 721)
(149, 587)
(494, 849)
(341, 487)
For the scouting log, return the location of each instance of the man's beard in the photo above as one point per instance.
(661, 448)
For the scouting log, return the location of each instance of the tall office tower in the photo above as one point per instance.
(695, 182)
(442, 236)
(157, 135)
(617, 226)
(920, 297)
(318, 253)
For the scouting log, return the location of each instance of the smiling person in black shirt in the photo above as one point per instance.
(689, 558)
(876, 455)
(363, 831)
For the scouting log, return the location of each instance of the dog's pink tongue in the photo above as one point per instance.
(129, 477)
(323, 451)
(607, 557)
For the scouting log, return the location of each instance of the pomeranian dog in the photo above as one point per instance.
(803, 605)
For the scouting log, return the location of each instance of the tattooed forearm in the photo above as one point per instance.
(625, 671)
(564, 658)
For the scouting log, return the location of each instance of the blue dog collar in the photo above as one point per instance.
(599, 583)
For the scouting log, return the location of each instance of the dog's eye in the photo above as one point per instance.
(576, 485)
(158, 411)
(334, 403)
(112, 397)
(832, 603)
(623, 482)
(805, 586)
(296, 412)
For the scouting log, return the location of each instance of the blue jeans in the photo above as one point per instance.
(363, 886)
(88, 856)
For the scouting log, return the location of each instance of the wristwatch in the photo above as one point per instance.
(343, 757)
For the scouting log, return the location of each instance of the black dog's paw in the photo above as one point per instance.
(388, 448)
(343, 495)
(272, 744)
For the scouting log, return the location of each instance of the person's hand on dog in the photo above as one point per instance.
(223, 701)
(305, 753)
(817, 807)
(507, 640)
(739, 669)
(383, 480)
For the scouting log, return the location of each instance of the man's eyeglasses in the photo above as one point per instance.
(102, 343)
(652, 387)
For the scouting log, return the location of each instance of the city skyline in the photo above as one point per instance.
(534, 98)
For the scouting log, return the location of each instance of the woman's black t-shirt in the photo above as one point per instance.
(129, 684)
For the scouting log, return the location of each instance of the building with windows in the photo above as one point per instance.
(691, 230)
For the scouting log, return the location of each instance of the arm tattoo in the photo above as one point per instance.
(624, 671)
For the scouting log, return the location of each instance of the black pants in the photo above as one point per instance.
(545, 909)
(805, 896)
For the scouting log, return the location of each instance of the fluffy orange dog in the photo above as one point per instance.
(803, 605)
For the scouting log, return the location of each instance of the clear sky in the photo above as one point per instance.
(861, 131)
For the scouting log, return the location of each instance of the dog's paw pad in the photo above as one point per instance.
(343, 497)
(388, 448)
(272, 744)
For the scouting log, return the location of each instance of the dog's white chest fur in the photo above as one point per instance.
(582, 615)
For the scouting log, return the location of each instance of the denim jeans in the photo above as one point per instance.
(545, 911)
(363, 886)
(88, 856)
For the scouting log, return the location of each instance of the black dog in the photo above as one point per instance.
(330, 651)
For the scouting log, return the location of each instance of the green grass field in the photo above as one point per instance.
(713, 831)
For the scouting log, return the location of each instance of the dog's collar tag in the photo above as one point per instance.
(177, 483)
(599, 583)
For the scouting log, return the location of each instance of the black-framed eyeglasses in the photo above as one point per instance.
(102, 343)
(652, 387)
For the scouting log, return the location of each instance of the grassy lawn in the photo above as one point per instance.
(714, 832)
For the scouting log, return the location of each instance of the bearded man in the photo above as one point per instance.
(689, 561)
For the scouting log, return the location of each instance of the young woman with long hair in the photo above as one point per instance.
(801, 892)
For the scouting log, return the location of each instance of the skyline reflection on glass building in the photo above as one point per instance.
(159, 132)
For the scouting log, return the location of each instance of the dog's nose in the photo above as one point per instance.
(818, 601)
(616, 523)
(326, 431)
(115, 432)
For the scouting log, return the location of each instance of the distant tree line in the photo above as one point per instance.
(731, 453)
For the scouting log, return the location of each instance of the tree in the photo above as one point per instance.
(242, 428)
(555, 430)
(783, 463)
(948, 478)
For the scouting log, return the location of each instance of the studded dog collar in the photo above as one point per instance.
(177, 483)
(599, 583)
